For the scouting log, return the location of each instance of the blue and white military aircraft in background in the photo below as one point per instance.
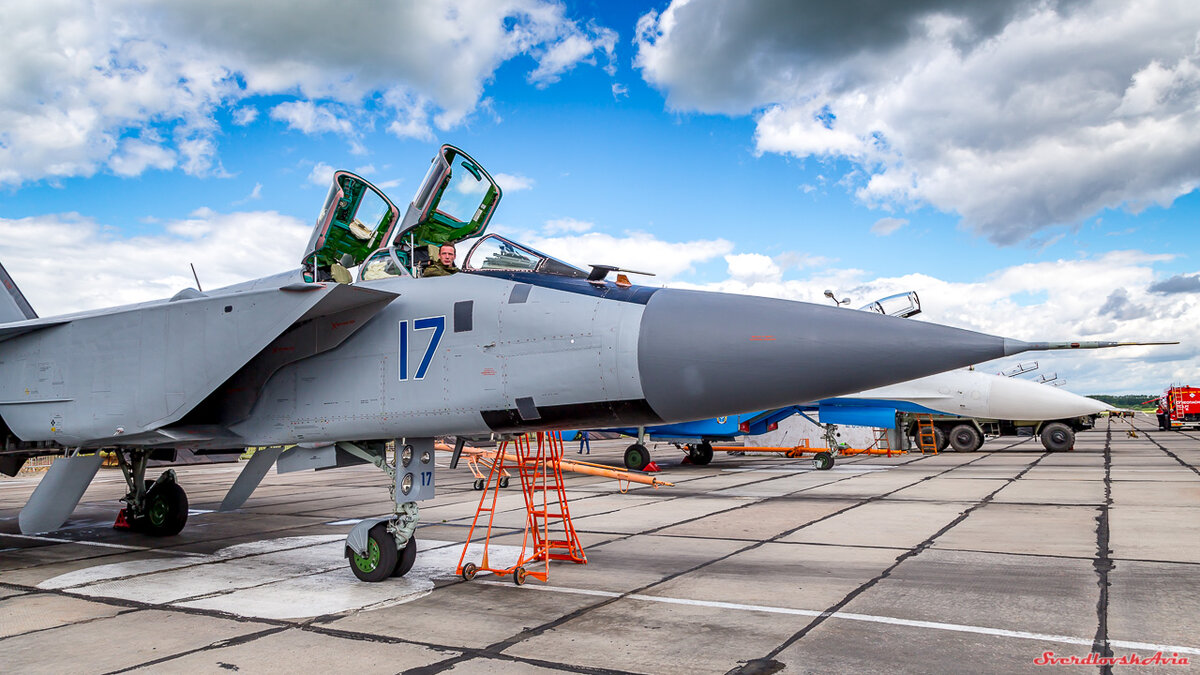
(965, 406)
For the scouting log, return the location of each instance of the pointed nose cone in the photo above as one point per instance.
(708, 354)
(1013, 399)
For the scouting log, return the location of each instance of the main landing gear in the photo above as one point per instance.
(637, 457)
(159, 507)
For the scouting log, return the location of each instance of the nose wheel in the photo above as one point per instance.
(822, 461)
(382, 558)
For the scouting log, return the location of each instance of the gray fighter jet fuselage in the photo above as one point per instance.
(468, 354)
(517, 341)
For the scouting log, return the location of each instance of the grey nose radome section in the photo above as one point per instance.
(710, 354)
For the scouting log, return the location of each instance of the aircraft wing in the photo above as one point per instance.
(12, 330)
(129, 373)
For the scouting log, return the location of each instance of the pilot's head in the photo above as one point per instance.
(446, 254)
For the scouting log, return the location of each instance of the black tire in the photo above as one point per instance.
(519, 576)
(942, 439)
(822, 461)
(637, 457)
(380, 559)
(166, 510)
(503, 481)
(964, 438)
(1057, 437)
(479, 484)
(406, 558)
(701, 454)
(979, 444)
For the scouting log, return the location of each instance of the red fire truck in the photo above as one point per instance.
(1183, 407)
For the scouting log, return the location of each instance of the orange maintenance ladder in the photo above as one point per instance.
(881, 441)
(926, 434)
(540, 474)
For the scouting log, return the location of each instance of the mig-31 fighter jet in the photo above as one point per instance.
(340, 369)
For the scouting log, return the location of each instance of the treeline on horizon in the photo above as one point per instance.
(1126, 400)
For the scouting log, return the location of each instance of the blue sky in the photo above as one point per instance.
(1029, 168)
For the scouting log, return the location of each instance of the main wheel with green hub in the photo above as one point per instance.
(379, 560)
(166, 510)
(637, 457)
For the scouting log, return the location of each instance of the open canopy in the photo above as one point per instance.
(455, 201)
(357, 219)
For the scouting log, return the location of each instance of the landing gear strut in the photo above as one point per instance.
(379, 548)
(700, 454)
(824, 461)
(159, 507)
(637, 457)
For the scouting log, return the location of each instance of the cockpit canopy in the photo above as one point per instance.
(455, 201)
(495, 253)
(357, 219)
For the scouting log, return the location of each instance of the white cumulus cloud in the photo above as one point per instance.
(1017, 115)
(633, 250)
(310, 118)
(886, 226)
(93, 266)
(77, 76)
(577, 47)
(511, 183)
(321, 175)
(561, 225)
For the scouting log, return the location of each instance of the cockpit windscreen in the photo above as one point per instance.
(494, 252)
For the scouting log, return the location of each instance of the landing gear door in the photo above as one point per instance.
(454, 202)
(356, 220)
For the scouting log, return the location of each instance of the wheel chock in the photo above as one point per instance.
(122, 523)
(651, 468)
(686, 460)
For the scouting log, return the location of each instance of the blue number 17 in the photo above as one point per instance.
(438, 324)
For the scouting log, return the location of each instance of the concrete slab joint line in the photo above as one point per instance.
(1103, 563)
(833, 610)
(852, 616)
(955, 483)
(1172, 455)
(538, 630)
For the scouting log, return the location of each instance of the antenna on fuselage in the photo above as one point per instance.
(196, 277)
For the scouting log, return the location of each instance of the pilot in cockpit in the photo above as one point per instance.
(444, 266)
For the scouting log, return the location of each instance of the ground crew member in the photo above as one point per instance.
(444, 266)
(1163, 424)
